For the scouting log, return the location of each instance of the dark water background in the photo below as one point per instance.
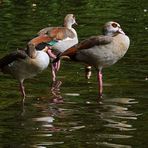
(77, 121)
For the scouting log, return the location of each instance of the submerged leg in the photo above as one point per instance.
(22, 89)
(100, 83)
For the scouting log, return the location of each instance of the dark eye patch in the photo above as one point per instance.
(114, 25)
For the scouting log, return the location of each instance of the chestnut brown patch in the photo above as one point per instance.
(40, 39)
(114, 25)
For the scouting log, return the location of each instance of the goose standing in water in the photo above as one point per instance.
(57, 40)
(101, 51)
(23, 64)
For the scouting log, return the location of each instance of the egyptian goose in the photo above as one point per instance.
(101, 51)
(23, 64)
(58, 39)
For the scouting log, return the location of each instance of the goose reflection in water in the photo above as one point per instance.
(46, 121)
(56, 97)
(53, 118)
(117, 116)
(50, 110)
(115, 112)
(55, 90)
(46, 126)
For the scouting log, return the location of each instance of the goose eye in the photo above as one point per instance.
(114, 25)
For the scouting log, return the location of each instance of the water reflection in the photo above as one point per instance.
(114, 116)
(107, 144)
(56, 94)
(115, 112)
(117, 116)
(55, 124)
(70, 118)
(46, 126)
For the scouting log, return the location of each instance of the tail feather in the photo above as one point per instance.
(11, 57)
(41, 46)
(71, 52)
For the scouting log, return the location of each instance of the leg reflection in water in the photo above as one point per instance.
(55, 90)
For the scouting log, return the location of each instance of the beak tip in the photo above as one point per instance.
(76, 23)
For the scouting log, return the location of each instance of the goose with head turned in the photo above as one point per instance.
(101, 51)
(57, 40)
(24, 64)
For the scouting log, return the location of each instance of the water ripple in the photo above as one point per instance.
(116, 115)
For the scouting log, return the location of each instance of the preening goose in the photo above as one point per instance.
(101, 51)
(23, 64)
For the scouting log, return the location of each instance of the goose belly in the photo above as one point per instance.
(103, 56)
(63, 45)
(28, 68)
(41, 61)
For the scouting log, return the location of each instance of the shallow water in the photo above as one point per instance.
(67, 113)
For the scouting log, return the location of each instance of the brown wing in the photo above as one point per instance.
(40, 39)
(44, 31)
(71, 51)
(58, 33)
(19, 54)
(94, 41)
(88, 43)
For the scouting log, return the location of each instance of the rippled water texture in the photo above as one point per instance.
(67, 114)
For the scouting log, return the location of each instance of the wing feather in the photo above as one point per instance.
(57, 33)
(19, 54)
(86, 44)
(94, 41)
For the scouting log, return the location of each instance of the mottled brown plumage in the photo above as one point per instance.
(40, 39)
(57, 33)
(57, 39)
(101, 51)
(88, 43)
(66, 35)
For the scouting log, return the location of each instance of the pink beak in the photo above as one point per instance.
(121, 31)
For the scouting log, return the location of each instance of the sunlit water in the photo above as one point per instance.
(67, 114)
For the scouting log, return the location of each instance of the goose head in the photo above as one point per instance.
(69, 20)
(112, 28)
(31, 50)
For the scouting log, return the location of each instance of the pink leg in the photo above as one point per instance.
(100, 83)
(54, 68)
(52, 55)
(53, 71)
(53, 65)
(58, 63)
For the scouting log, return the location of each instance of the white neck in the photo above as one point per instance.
(68, 25)
(73, 30)
(109, 33)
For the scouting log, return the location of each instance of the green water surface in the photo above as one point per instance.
(77, 120)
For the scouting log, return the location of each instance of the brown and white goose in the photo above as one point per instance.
(101, 51)
(23, 64)
(58, 39)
